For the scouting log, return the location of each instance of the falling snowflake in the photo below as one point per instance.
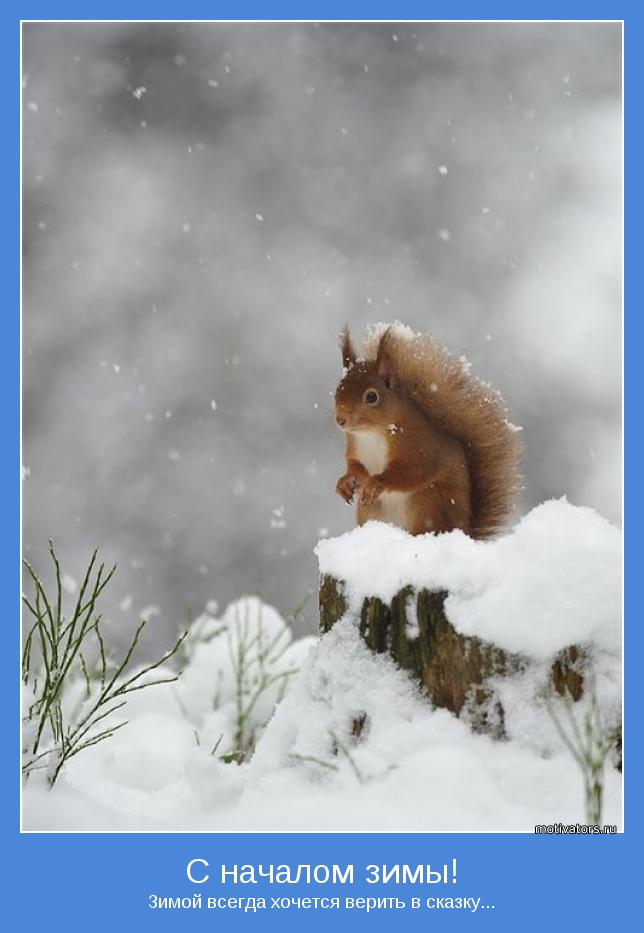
(277, 517)
(69, 584)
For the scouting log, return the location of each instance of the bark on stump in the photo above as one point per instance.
(456, 670)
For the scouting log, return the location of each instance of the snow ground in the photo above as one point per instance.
(553, 581)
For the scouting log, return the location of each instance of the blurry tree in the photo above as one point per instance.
(205, 205)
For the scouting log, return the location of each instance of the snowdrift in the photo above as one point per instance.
(555, 580)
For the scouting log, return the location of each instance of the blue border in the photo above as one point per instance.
(102, 882)
(327, 10)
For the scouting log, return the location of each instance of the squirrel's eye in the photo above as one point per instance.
(371, 397)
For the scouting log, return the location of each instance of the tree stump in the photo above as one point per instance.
(455, 670)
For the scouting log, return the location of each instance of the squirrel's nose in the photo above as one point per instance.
(341, 421)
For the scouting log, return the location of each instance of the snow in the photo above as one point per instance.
(277, 518)
(148, 612)
(413, 770)
(68, 584)
(553, 580)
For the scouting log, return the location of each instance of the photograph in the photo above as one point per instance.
(321, 456)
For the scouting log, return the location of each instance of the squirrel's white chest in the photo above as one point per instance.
(371, 450)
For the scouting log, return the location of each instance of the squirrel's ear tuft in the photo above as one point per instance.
(348, 353)
(384, 360)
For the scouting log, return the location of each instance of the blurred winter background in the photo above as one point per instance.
(205, 205)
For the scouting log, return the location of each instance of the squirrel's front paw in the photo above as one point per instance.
(371, 491)
(346, 486)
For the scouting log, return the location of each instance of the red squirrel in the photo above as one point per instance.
(428, 446)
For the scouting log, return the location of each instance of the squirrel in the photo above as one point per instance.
(428, 446)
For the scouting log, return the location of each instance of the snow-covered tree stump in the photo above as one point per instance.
(457, 671)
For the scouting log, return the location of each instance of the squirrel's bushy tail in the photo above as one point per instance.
(465, 408)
